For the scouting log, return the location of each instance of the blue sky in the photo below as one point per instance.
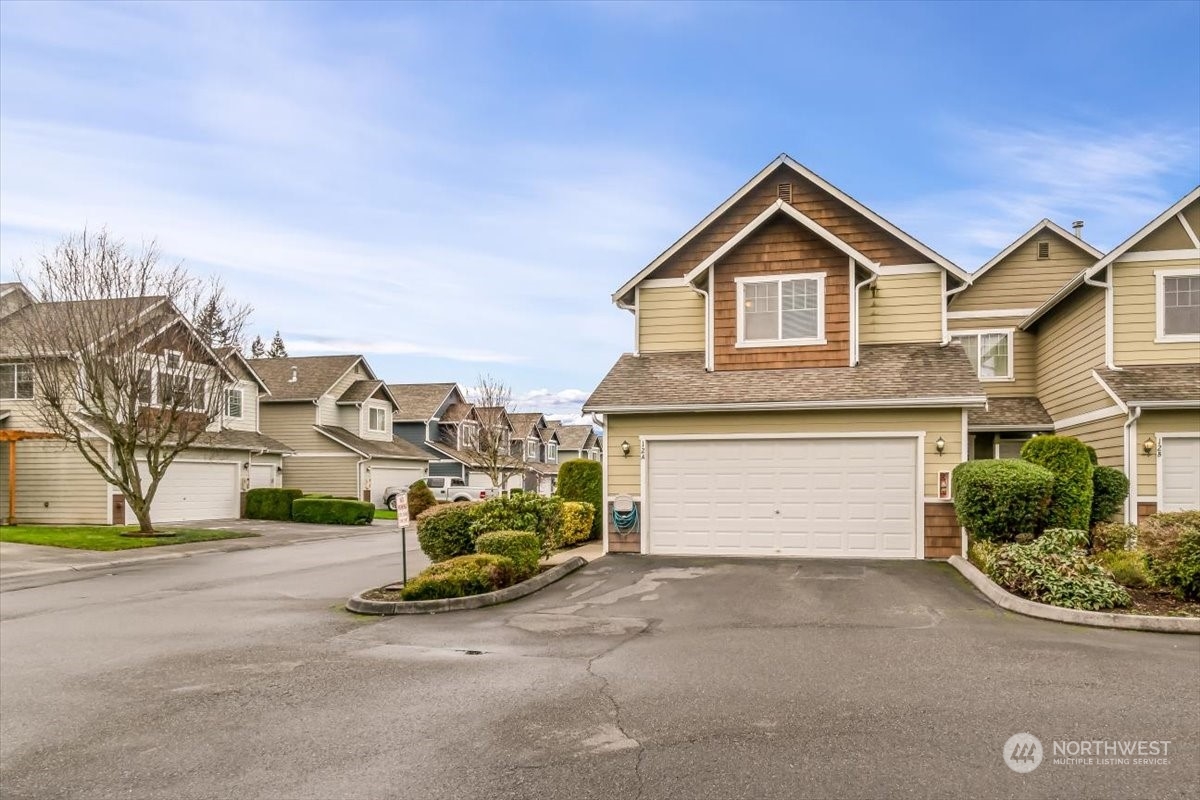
(454, 189)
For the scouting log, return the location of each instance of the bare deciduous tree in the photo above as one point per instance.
(491, 450)
(120, 373)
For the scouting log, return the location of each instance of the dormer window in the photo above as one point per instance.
(377, 419)
(531, 450)
(233, 403)
(781, 311)
(551, 453)
(172, 359)
(468, 436)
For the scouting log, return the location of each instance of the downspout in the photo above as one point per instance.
(707, 325)
(1131, 466)
(858, 287)
(946, 295)
(1108, 342)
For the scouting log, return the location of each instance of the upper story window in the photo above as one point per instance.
(16, 381)
(468, 436)
(1178, 305)
(377, 419)
(990, 353)
(233, 403)
(172, 359)
(551, 453)
(780, 311)
(531, 450)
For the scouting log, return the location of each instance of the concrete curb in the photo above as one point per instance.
(1095, 619)
(359, 605)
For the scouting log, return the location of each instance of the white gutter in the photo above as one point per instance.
(1130, 464)
(978, 401)
(855, 321)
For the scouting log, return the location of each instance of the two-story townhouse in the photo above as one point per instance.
(576, 442)
(985, 317)
(336, 416)
(794, 390)
(51, 482)
(423, 417)
(1118, 359)
(536, 442)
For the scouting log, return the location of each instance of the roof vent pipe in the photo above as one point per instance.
(295, 375)
(1077, 225)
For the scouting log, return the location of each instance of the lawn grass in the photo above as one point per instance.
(384, 513)
(105, 537)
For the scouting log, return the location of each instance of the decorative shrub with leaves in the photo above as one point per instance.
(522, 547)
(521, 512)
(998, 499)
(271, 503)
(1114, 536)
(582, 480)
(1171, 541)
(576, 524)
(1128, 567)
(1110, 487)
(420, 497)
(332, 512)
(1055, 569)
(1069, 460)
(462, 576)
(444, 531)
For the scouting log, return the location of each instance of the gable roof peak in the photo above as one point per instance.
(1045, 224)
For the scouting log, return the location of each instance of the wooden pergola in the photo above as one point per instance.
(12, 437)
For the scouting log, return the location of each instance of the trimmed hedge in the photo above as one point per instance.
(271, 503)
(1172, 544)
(582, 481)
(462, 576)
(444, 531)
(521, 512)
(522, 547)
(1055, 569)
(1110, 487)
(576, 526)
(998, 499)
(332, 512)
(420, 498)
(1069, 460)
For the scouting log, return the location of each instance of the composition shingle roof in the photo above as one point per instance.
(457, 412)
(548, 434)
(396, 448)
(100, 318)
(418, 402)
(524, 423)
(314, 375)
(887, 374)
(1162, 383)
(574, 437)
(359, 391)
(1026, 413)
(241, 440)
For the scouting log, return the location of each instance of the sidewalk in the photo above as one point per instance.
(588, 551)
(24, 560)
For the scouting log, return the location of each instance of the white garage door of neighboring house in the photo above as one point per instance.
(1180, 478)
(852, 497)
(383, 477)
(262, 476)
(196, 490)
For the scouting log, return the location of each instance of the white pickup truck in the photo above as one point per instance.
(446, 489)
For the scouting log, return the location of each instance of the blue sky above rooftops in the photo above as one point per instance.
(453, 189)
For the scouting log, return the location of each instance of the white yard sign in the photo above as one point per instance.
(402, 511)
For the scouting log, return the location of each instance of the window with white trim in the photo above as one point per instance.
(376, 419)
(468, 436)
(172, 359)
(551, 453)
(990, 353)
(784, 310)
(1179, 305)
(233, 403)
(16, 381)
(531, 449)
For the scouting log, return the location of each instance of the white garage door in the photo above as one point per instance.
(787, 497)
(383, 477)
(1180, 473)
(196, 490)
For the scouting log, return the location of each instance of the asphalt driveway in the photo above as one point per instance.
(634, 677)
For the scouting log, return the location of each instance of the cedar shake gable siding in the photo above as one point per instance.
(827, 211)
(781, 247)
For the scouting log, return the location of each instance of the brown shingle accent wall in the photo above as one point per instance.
(1145, 510)
(778, 248)
(630, 543)
(833, 215)
(943, 536)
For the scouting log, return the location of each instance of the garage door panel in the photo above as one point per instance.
(191, 490)
(814, 497)
(1180, 473)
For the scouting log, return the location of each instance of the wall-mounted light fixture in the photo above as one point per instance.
(246, 465)
(1148, 445)
(940, 444)
(625, 448)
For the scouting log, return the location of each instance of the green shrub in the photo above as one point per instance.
(316, 496)
(1055, 569)
(1068, 459)
(332, 512)
(1110, 487)
(998, 499)
(521, 512)
(462, 576)
(1091, 451)
(576, 524)
(582, 481)
(979, 553)
(1128, 567)
(1172, 544)
(420, 497)
(444, 531)
(271, 503)
(1113, 536)
(523, 548)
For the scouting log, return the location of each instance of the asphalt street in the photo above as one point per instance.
(237, 675)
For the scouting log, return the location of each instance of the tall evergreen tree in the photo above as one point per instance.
(277, 349)
(211, 325)
(257, 348)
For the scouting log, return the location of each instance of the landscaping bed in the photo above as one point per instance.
(107, 538)
(1157, 603)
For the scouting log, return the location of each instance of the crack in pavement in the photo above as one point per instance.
(606, 691)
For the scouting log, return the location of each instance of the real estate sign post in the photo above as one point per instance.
(402, 522)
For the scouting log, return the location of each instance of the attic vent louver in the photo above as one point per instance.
(1043, 250)
(785, 192)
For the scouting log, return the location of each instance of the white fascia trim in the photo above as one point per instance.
(908, 269)
(1164, 405)
(1044, 225)
(754, 224)
(1120, 250)
(1109, 391)
(979, 401)
(990, 313)
(1159, 255)
(1054, 300)
(1009, 428)
(702, 437)
(333, 438)
(1187, 228)
(1160, 336)
(1090, 416)
(321, 454)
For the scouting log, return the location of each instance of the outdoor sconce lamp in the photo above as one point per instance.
(1148, 445)
(625, 448)
(940, 444)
